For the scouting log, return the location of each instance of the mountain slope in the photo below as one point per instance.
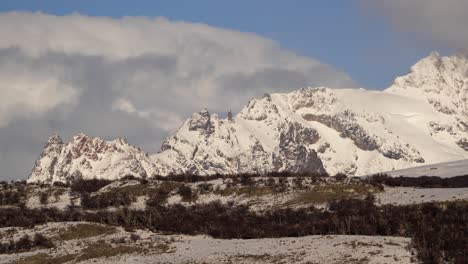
(421, 119)
(442, 170)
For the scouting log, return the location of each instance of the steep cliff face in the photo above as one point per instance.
(421, 119)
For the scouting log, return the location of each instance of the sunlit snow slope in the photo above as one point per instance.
(443, 170)
(421, 119)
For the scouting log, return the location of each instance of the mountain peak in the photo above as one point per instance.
(429, 65)
(201, 121)
(54, 139)
(440, 80)
(434, 54)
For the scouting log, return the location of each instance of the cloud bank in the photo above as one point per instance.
(134, 77)
(442, 21)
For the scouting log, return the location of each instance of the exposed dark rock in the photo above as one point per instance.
(202, 122)
(292, 155)
(463, 143)
(323, 148)
(347, 127)
(298, 133)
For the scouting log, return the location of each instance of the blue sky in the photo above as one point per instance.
(340, 33)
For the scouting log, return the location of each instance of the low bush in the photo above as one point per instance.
(10, 197)
(88, 186)
(43, 198)
(25, 243)
(187, 194)
(106, 199)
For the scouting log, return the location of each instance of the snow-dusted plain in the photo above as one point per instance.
(410, 195)
(421, 119)
(443, 170)
(118, 246)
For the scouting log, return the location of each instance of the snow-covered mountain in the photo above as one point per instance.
(421, 119)
(87, 157)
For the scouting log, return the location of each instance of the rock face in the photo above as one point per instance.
(421, 119)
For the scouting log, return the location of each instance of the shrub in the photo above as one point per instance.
(186, 193)
(40, 240)
(25, 243)
(61, 184)
(105, 199)
(157, 198)
(43, 198)
(144, 181)
(205, 187)
(246, 180)
(134, 237)
(88, 186)
(10, 197)
(128, 178)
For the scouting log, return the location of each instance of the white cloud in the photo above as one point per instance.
(443, 21)
(134, 77)
(29, 91)
(123, 105)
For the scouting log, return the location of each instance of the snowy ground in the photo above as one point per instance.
(411, 195)
(117, 246)
(443, 170)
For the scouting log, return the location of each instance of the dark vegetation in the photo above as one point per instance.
(43, 198)
(13, 193)
(105, 199)
(10, 197)
(423, 181)
(160, 195)
(186, 193)
(88, 186)
(191, 178)
(439, 231)
(25, 243)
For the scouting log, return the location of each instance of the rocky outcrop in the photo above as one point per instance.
(293, 155)
(201, 122)
(346, 125)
